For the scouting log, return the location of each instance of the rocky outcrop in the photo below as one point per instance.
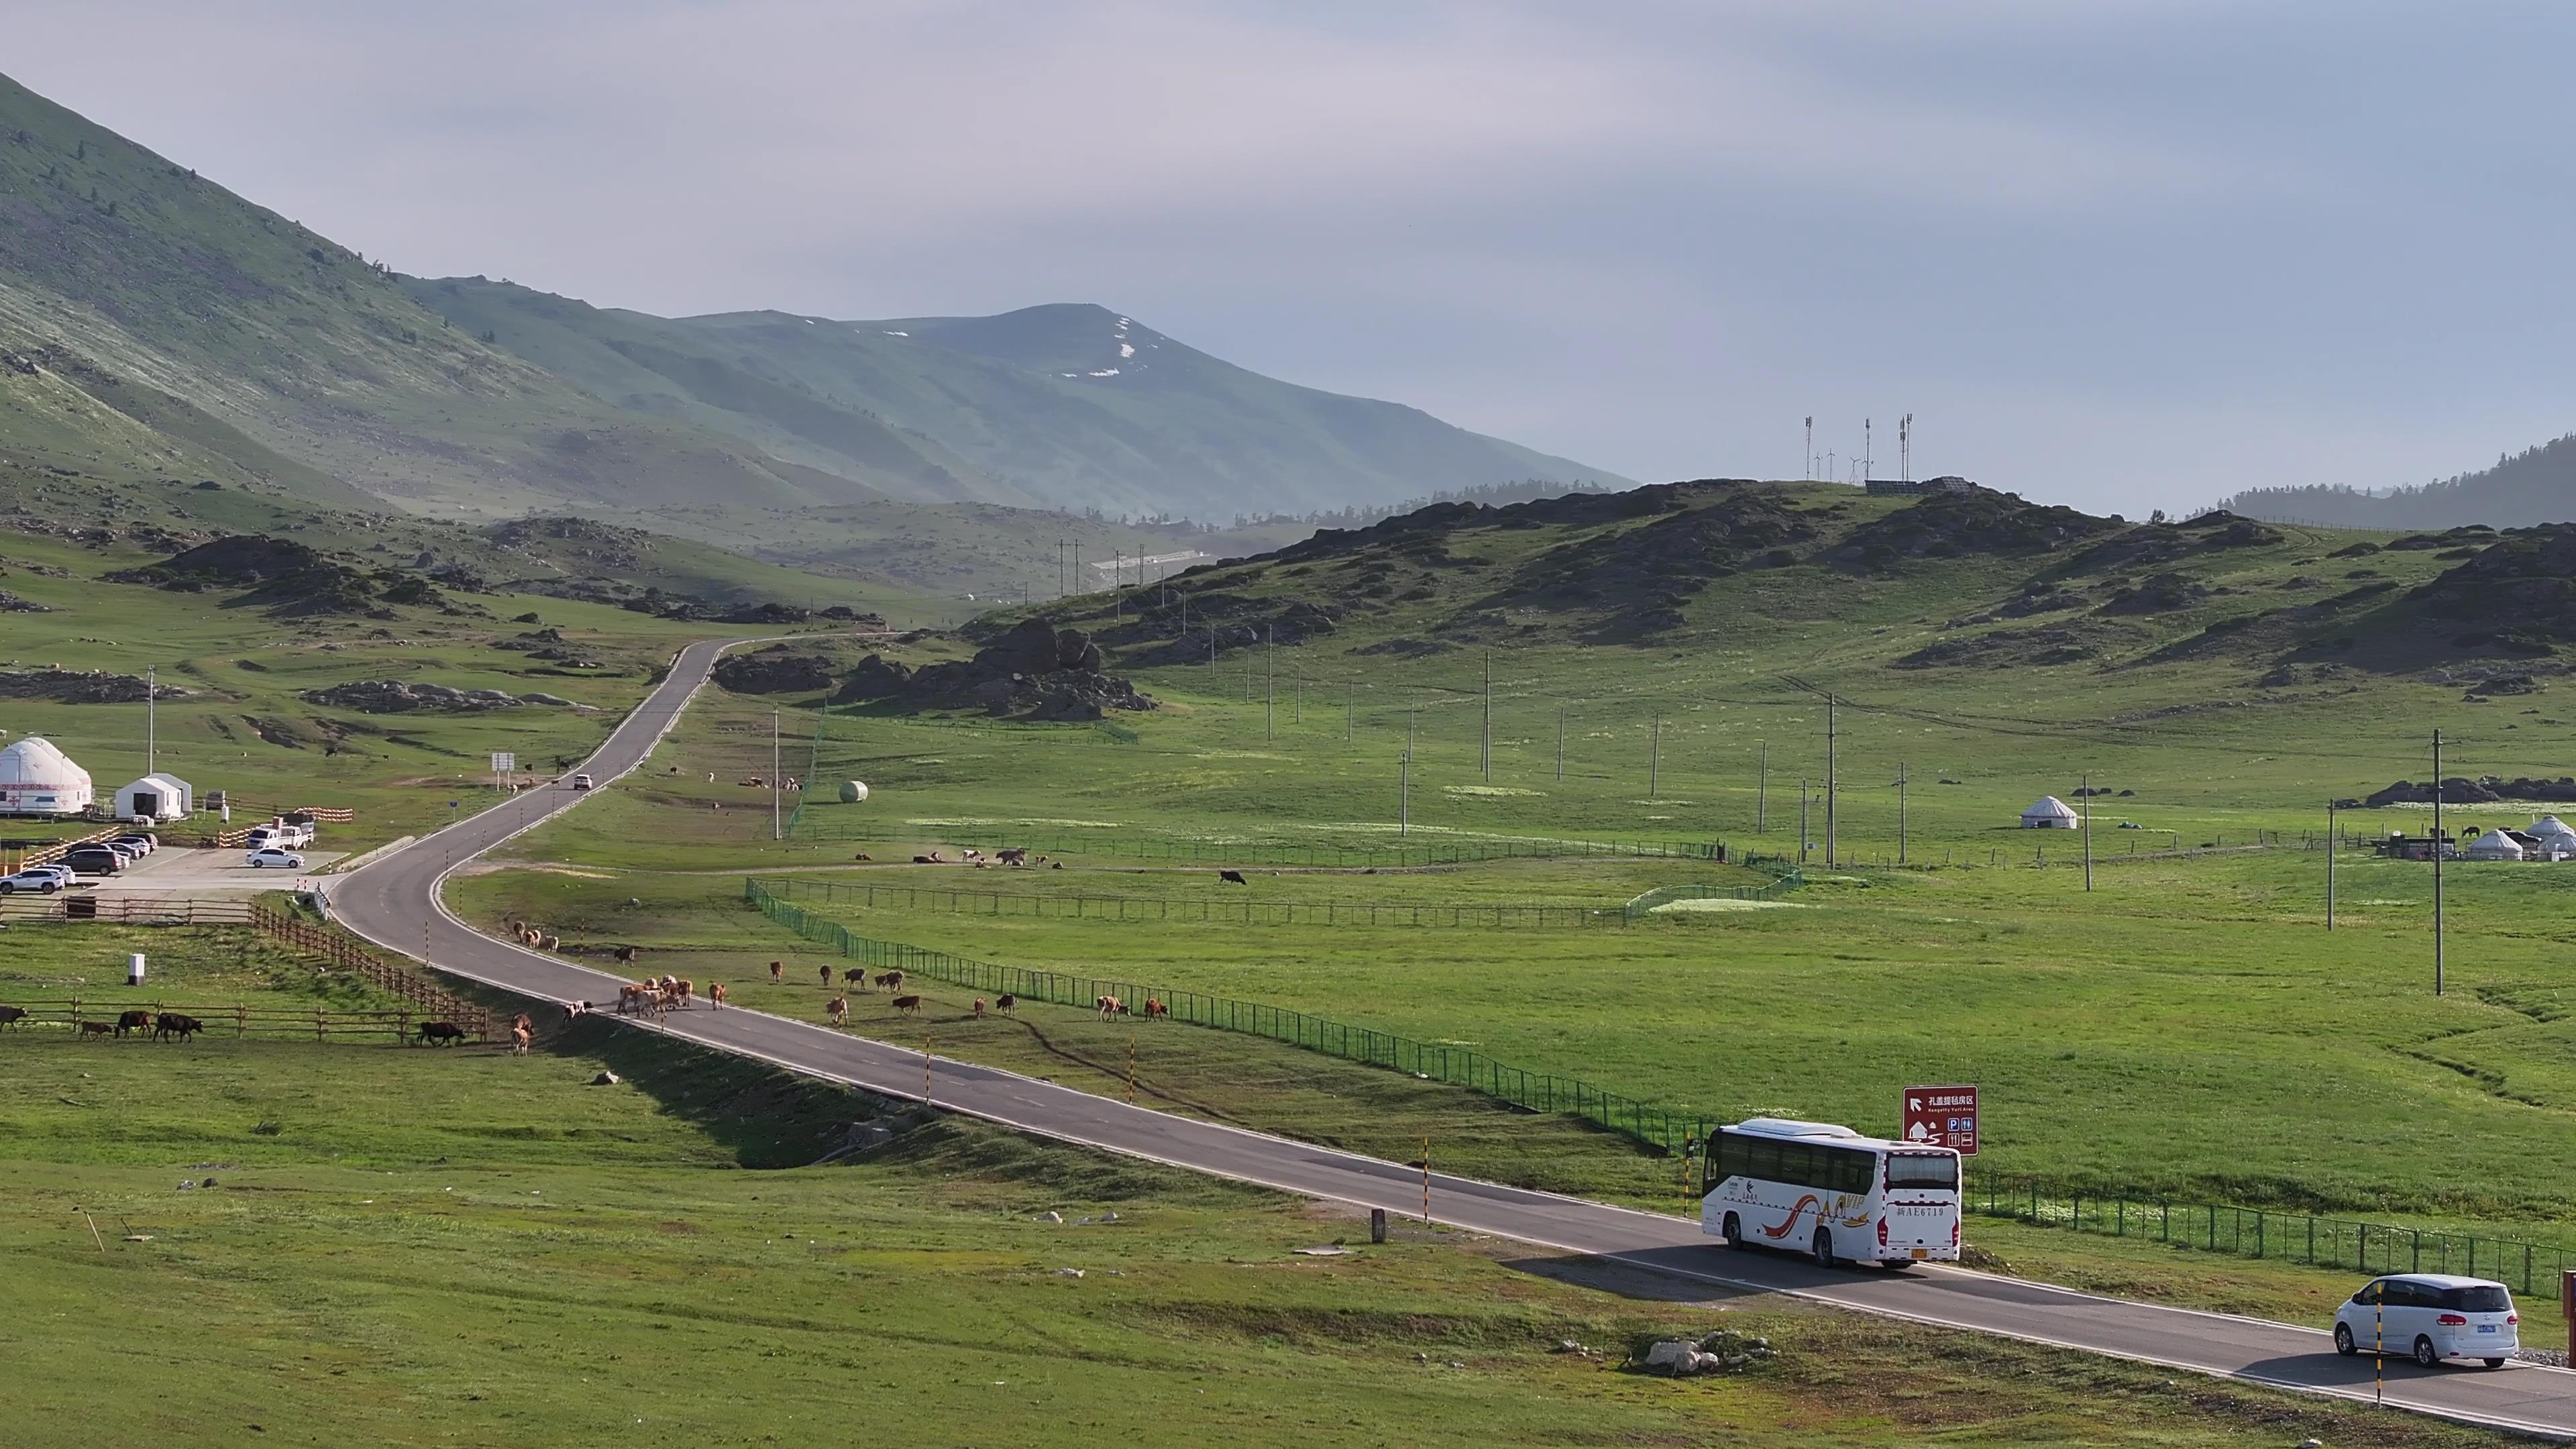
(777, 669)
(2485, 790)
(1036, 671)
(74, 686)
(394, 696)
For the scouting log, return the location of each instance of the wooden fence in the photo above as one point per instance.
(127, 910)
(274, 1022)
(345, 953)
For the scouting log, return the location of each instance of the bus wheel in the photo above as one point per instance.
(1734, 1232)
(1824, 1249)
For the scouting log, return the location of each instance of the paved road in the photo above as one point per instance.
(394, 902)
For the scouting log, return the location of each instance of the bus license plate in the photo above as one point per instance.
(1923, 1252)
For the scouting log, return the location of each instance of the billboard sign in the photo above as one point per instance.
(1942, 1117)
(504, 762)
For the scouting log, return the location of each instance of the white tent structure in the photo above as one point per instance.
(2557, 841)
(2050, 813)
(38, 779)
(2494, 845)
(156, 796)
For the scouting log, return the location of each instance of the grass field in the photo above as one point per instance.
(418, 1246)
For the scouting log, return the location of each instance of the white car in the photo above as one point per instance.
(40, 880)
(2430, 1317)
(581, 782)
(273, 856)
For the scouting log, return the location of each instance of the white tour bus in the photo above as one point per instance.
(1839, 1196)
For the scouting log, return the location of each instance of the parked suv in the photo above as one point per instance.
(43, 882)
(2430, 1317)
(95, 860)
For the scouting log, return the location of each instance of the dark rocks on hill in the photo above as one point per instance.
(770, 613)
(603, 544)
(777, 669)
(2485, 790)
(394, 696)
(12, 604)
(2519, 590)
(73, 686)
(1035, 671)
(284, 576)
(843, 613)
(2159, 594)
(1642, 577)
(876, 678)
(1951, 525)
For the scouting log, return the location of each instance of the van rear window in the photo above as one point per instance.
(2477, 1300)
(1923, 1170)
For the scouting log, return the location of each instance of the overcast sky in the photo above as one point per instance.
(2116, 253)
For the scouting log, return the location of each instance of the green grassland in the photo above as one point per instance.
(421, 1246)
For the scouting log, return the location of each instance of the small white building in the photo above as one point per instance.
(38, 779)
(156, 796)
(2494, 845)
(2050, 813)
(2555, 840)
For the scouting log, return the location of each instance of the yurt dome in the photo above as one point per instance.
(2050, 813)
(2553, 833)
(38, 779)
(2494, 845)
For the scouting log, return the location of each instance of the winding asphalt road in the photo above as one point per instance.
(394, 902)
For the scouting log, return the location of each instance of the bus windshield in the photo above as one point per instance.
(1923, 1170)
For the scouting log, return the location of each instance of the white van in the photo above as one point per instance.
(2430, 1317)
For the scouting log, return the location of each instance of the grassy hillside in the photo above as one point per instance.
(128, 282)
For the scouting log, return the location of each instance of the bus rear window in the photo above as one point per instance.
(1923, 1170)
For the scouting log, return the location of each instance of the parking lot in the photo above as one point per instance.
(179, 870)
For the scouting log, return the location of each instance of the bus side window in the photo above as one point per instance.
(1730, 1157)
(1855, 1171)
(1762, 1160)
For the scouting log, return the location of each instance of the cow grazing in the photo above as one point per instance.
(856, 975)
(715, 996)
(1110, 1006)
(171, 1023)
(979, 1008)
(863, 855)
(1059, 865)
(10, 1014)
(133, 1021)
(970, 855)
(839, 1010)
(777, 971)
(626, 955)
(1006, 1003)
(911, 1004)
(1234, 877)
(890, 980)
(553, 941)
(521, 1034)
(1155, 1010)
(925, 860)
(441, 1033)
(826, 973)
(98, 1029)
(1018, 855)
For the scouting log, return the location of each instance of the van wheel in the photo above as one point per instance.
(1734, 1232)
(2424, 1353)
(1823, 1250)
(2493, 1363)
(2343, 1340)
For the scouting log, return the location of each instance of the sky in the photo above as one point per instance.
(2122, 254)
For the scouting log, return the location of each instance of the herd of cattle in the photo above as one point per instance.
(159, 1025)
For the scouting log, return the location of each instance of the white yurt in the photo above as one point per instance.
(156, 796)
(2050, 813)
(2494, 845)
(2557, 841)
(38, 779)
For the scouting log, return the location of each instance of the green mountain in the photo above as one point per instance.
(1065, 405)
(2534, 486)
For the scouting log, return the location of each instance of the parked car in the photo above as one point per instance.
(130, 851)
(95, 860)
(2430, 1317)
(146, 843)
(272, 856)
(42, 881)
(581, 782)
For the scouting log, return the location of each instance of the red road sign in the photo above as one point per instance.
(1942, 1117)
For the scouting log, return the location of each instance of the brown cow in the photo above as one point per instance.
(856, 975)
(908, 1003)
(1155, 1009)
(826, 973)
(979, 1008)
(133, 1021)
(97, 1028)
(863, 855)
(840, 1010)
(777, 971)
(520, 1036)
(890, 980)
(686, 990)
(715, 995)
(1006, 1003)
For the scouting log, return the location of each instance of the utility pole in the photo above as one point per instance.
(1811, 448)
(1901, 774)
(1077, 561)
(1211, 645)
(775, 831)
(1802, 820)
(1269, 681)
(1654, 755)
(1829, 782)
(1762, 772)
(1350, 708)
(1059, 568)
(2330, 849)
(1404, 787)
(1485, 753)
(2084, 792)
(2437, 862)
(151, 720)
(1297, 707)
(1560, 742)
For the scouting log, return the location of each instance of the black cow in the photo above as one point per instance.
(9, 1014)
(1235, 876)
(446, 1033)
(171, 1023)
(133, 1021)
